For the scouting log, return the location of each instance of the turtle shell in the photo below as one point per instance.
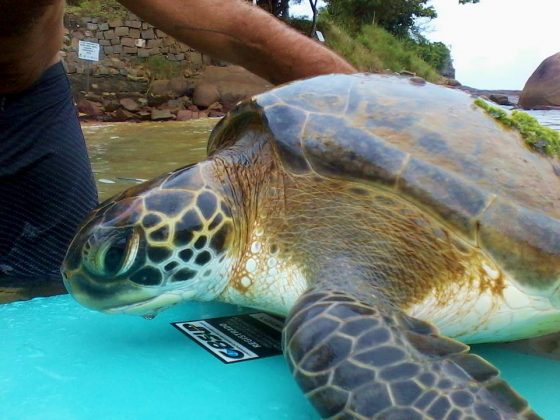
(427, 143)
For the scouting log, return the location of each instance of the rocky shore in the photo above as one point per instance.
(144, 74)
(209, 93)
(500, 97)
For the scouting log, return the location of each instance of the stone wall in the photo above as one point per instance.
(121, 86)
(123, 41)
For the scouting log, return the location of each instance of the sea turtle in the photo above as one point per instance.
(366, 209)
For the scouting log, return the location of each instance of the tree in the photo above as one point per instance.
(396, 16)
(313, 4)
(278, 8)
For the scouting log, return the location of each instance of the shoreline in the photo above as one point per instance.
(152, 114)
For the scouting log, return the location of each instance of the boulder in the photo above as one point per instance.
(173, 105)
(452, 82)
(89, 108)
(122, 115)
(162, 91)
(205, 94)
(129, 104)
(161, 114)
(160, 87)
(179, 86)
(233, 83)
(186, 114)
(110, 105)
(542, 90)
(499, 99)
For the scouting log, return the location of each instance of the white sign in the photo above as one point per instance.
(320, 36)
(88, 51)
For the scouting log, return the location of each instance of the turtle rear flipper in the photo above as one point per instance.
(355, 360)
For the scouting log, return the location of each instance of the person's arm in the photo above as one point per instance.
(237, 32)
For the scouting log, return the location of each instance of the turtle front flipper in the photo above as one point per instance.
(357, 360)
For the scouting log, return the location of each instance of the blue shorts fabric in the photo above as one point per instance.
(46, 182)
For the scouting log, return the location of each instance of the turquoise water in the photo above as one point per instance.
(62, 361)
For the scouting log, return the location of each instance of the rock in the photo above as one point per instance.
(417, 80)
(129, 104)
(110, 105)
(89, 108)
(205, 94)
(122, 115)
(145, 115)
(233, 83)
(94, 97)
(134, 95)
(452, 82)
(108, 84)
(159, 92)
(215, 114)
(121, 31)
(543, 87)
(161, 114)
(160, 87)
(115, 63)
(186, 114)
(179, 86)
(173, 105)
(186, 101)
(141, 79)
(156, 100)
(499, 99)
(407, 73)
(115, 22)
(216, 106)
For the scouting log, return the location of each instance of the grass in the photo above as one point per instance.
(375, 50)
(160, 67)
(108, 9)
(542, 139)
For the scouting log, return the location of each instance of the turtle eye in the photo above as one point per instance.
(112, 255)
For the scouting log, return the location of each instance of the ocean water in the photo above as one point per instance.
(59, 360)
(549, 119)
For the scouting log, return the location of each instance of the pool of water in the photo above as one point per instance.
(124, 154)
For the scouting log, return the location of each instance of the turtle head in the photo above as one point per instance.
(154, 245)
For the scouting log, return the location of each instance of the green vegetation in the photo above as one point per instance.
(108, 9)
(373, 49)
(542, 139)
(370, 47)
(396, 16)
(160, 67)
(436, 54)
